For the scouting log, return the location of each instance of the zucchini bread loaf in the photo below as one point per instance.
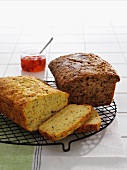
(65, 122)
(29, 101)
(86, 77)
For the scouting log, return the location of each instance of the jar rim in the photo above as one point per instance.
(31, 52)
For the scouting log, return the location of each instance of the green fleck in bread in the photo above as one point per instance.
(65, 122)
(92, 124)
(29, 101)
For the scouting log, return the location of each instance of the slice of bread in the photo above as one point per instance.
(65, 121)
(92, 124)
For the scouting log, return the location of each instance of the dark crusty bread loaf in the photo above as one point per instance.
(92, 124)
(29, 101)
(86, 77)
(65, 121)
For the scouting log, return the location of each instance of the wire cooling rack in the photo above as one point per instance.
(11, 133)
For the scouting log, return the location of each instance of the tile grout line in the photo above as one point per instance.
(46, 74)
(101, 34)
(13, 51)
(71, 42)
(124, 136)
(119, 43)
(83, 36)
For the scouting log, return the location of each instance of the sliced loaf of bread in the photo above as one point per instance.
(92, 124)
(65, 121)
(29, 101)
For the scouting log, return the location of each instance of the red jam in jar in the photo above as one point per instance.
(33, 63)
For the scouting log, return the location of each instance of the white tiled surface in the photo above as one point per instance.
(96, 27)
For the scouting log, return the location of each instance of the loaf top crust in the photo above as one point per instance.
(70, 67)
(22, 89)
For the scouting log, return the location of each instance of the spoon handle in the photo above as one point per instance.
(46, 45)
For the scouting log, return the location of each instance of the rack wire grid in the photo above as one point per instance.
(11, 133)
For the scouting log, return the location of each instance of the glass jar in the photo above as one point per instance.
(32, 61)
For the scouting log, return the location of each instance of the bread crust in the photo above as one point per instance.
(92, 124)
(18, 93)
(86, 77)
(13, 112)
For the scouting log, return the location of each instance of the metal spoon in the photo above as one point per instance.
(46, 45)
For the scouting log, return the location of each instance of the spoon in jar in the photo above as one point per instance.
(46, 45)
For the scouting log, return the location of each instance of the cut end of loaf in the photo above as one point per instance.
(39, 110)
